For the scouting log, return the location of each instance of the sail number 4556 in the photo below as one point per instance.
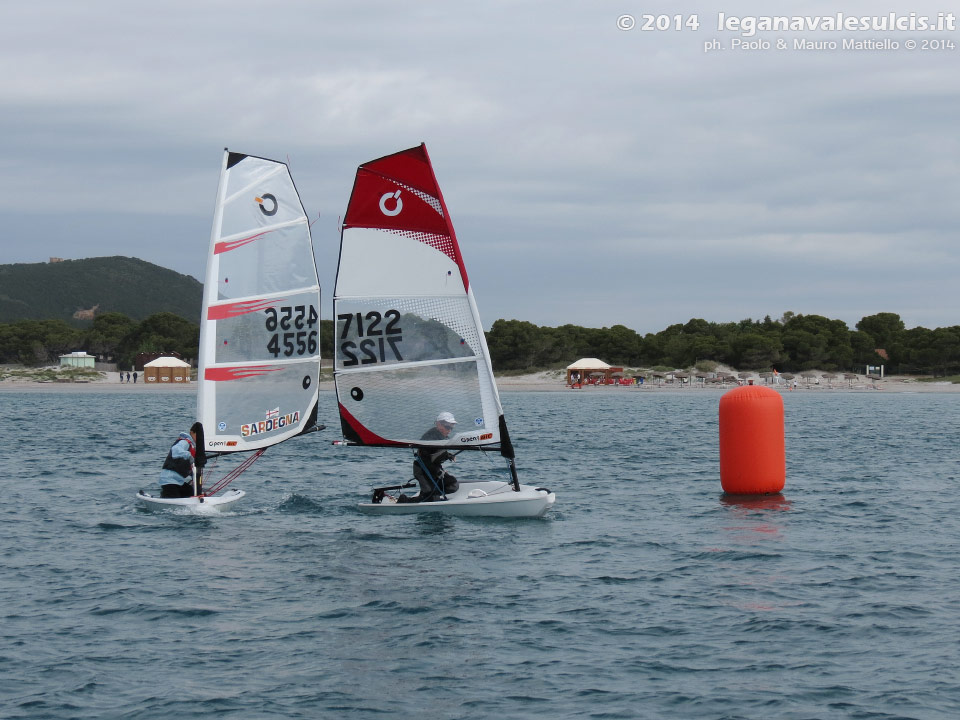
(298, 338)
(373, 348)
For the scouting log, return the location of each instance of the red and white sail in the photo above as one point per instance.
(409, 343)
(260, 328)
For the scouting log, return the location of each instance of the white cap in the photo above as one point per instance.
(447, 418)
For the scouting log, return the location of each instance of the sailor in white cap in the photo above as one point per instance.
(435, 482)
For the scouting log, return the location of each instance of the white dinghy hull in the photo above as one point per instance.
(214, 502)
(474, 499)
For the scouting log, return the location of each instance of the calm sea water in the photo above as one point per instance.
(643, 594)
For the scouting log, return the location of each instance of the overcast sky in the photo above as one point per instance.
(594, 175)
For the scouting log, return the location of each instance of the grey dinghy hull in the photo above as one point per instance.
(474, 499)
(200, 504)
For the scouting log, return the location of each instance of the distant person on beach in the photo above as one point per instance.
(121, 376)
(176, 477)
(435, 482)
(128, 377)
(134, 377)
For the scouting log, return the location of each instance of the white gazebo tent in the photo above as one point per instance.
(585, 366)
(166, 369)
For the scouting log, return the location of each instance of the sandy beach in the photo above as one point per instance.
(546, 381)
(552, 381)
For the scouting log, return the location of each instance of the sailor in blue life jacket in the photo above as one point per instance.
(434, 481)
(176, 477)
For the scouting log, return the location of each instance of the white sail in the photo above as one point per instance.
(260, 327)
(409, 343)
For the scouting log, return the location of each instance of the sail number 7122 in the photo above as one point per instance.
(299, 336)
(373, 348)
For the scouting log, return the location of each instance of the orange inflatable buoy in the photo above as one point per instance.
(752, 460)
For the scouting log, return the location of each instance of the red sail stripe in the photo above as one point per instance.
(366, 437)
(238, 373)
(229, 310)
(227, 246)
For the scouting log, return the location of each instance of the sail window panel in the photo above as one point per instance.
(488, 389)
(391, 331)
(401, 404)
(285, 328)
(276, 261)
(272, 401)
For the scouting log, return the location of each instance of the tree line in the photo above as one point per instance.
(112, 337)
(793, 343)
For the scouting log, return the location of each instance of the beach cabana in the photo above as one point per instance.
(77, 358)
(166, 370)
(585, 367)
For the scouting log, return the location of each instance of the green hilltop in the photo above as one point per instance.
(59, 290)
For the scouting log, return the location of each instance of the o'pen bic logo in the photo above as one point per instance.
(263, 209)
(385, 198)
